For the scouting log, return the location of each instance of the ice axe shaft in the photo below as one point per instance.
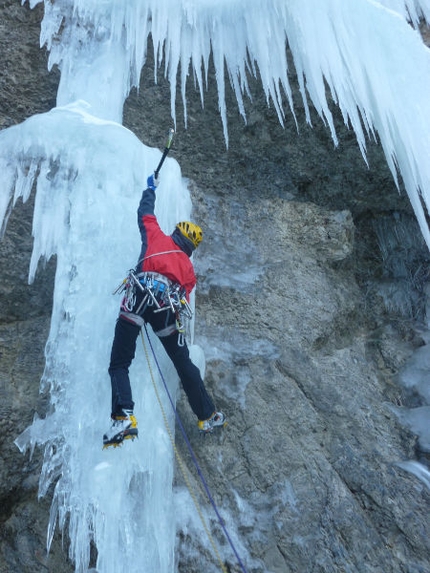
(165, 152)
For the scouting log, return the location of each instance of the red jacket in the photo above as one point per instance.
(160, 253)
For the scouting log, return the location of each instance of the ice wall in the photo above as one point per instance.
(88, 172)
(89, 177)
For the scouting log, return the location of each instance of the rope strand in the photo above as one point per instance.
(193, 457)
(180, 461)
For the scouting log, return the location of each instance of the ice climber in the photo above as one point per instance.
(157, 292)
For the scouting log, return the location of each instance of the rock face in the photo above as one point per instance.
(305, 320)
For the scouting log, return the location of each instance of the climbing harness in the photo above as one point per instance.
(157, 291)
(181, 463)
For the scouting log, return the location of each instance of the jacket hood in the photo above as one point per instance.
(183, 243)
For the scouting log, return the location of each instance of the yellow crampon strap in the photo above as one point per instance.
(181, 464)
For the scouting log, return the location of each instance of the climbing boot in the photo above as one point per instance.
(123, 427)
(207, 426)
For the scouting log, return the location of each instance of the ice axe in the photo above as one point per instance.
(165, 152)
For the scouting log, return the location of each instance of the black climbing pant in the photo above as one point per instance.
(123, 352)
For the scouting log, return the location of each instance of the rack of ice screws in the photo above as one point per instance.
(157, 291)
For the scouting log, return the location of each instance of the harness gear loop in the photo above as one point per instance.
(159, 292)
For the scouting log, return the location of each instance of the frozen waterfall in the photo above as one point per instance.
(88, 172)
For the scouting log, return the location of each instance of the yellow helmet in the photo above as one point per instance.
(191, 231)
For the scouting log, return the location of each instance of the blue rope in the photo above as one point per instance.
(193, 457)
